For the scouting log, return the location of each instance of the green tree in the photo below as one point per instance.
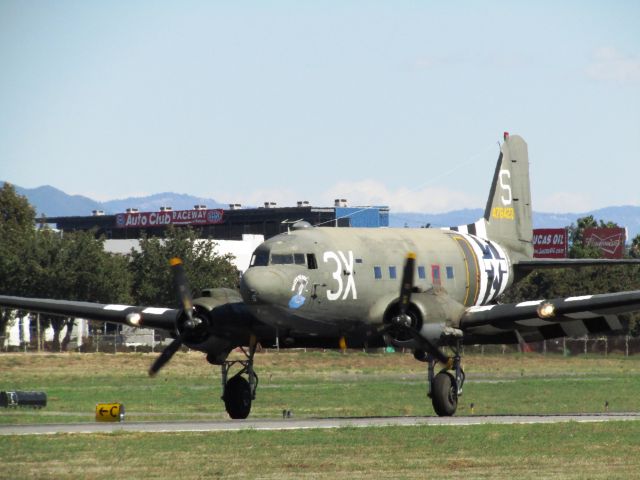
(634, 251)
(74, 266)
(17, 231)
(152, 280)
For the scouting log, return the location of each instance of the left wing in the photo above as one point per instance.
(538, 320)
(151, 317)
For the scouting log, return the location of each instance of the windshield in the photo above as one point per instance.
(262, 258)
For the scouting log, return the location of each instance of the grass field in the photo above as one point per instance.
(316, 385)
(322, 385)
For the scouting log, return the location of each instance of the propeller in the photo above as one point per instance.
(406, 289)
(402, 321)
(184, 295)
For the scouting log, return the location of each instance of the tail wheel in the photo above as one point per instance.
(237, 397)
(444, 394)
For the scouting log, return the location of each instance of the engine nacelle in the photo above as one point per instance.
(433, 314)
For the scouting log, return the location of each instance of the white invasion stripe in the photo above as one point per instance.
(481, 229)
(575, 299)
(483, 308)
(117, 308)
(463, 229)
(155, 310)
(530, 303)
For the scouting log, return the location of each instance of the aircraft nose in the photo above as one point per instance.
(260, 285)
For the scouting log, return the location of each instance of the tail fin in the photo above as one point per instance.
(508, 212)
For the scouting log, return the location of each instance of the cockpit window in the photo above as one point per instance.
(281, 258)
(260, 259)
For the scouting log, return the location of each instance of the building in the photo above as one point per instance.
(223, 224)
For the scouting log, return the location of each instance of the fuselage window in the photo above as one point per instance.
(377, 273)
(392, 272)
(449, 272)
(311, 261)
(298, 258)
(422, 274)
(260, 259)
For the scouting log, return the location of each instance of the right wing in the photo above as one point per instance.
(539, 320)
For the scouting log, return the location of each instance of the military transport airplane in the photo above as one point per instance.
(428, 290)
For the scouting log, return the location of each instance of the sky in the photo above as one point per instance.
(397, 103)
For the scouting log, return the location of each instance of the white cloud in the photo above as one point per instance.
(564, 202)
(282, 196)
(429, 200)
(363, 193)
(611, 65)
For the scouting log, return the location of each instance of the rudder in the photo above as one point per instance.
(508, 211)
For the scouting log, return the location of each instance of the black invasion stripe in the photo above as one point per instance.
(455, 229)
(597, 325)
(471, 228)
(554, 330)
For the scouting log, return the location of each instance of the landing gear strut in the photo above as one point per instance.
(446, 386)
(238, 392)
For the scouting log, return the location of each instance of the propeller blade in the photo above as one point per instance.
(403, 321)
(182, 287)
(406, 287)
(165, 356)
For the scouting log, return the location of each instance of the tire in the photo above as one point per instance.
(444, 395)
(237, 397)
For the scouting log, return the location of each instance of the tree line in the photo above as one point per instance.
(41, 262)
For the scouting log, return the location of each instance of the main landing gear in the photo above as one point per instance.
(445, 387)
(238, 392)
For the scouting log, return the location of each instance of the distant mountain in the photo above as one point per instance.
(151, 203)
(52, 202)
(625, 216)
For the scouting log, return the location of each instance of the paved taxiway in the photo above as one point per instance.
(299, 424)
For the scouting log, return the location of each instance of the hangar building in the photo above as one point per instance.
(223, 224)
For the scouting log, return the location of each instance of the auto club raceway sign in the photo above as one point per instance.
(161, 219)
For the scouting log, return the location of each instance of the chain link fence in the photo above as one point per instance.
(153, 341)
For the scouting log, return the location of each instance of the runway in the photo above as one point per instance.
(306, 423)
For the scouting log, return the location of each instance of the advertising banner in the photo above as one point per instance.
(550, 243)
(177, 217)
(610, 241)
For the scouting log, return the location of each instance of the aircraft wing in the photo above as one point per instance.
(151, 317)
(537, 320)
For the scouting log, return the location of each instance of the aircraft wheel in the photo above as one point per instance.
(237, 397)
(444, 395)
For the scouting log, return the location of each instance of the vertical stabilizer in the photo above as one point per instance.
(508, 211)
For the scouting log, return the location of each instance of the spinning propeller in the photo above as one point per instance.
(184, 295)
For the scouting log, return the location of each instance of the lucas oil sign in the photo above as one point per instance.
(177, 217)
(550, 243)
